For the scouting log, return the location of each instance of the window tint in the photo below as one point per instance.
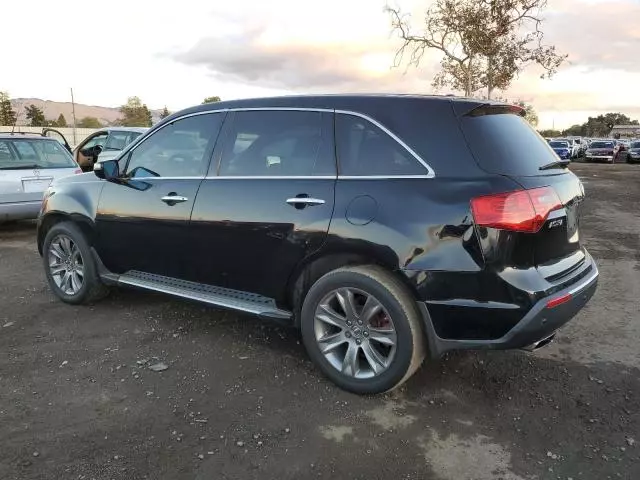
(180, 149)
(364, 149)
(278, 143)
(506, 144)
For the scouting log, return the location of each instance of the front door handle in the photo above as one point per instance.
(172, 199)
(304, 201)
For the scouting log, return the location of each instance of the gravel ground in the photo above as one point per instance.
(237, 398)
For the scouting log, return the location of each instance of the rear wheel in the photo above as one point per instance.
(361, 327)
(69, 265)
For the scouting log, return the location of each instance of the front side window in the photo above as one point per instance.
(366, 150)
(278, 143)
(117, 140)
(180, 149)
(99, 139)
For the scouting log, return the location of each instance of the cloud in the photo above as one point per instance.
(597, 35)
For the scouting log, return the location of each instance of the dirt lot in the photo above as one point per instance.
(240, 399)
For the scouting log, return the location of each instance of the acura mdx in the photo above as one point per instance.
(386, 228)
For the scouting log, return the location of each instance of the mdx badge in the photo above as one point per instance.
(556, 223)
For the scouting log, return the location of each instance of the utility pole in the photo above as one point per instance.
(73, 114)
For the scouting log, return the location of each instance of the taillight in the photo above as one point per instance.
(519, 211)
(77, 171)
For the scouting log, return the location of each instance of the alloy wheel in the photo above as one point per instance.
(66, 264)
(355, 333)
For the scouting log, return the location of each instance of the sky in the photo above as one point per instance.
(177, 53)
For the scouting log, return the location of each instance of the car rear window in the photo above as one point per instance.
(41, 154)
(601, 145)
(505, 143)
(559, 144)
(634, 145)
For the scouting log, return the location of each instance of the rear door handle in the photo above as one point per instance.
(302, 201)
(173, 199)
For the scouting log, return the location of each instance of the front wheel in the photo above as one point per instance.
(69, 265)
(361, 327)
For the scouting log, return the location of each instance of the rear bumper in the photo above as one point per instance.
(19, 210)
(540, 323)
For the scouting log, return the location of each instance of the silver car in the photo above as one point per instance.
(28, 164)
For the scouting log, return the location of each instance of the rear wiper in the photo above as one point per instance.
(556, 164)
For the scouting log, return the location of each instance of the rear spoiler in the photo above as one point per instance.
(494, 109)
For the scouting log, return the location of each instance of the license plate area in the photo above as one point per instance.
(36, 185)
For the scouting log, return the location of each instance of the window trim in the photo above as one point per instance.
(430, 172)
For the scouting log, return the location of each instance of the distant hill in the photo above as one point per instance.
(106, 115)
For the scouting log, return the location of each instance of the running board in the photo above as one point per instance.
(221, 297)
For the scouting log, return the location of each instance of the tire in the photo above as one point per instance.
(396, 318)
(80, 259)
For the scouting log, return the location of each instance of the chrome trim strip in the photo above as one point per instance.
(305, 201)
(271, 177)
(430, 172)
(381, 177)
(168, 178)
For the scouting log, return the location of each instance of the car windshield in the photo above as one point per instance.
(601, 144)
(34, 153)
(559, 144)
(635, 145)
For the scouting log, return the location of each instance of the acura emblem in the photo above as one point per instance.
(36, 172)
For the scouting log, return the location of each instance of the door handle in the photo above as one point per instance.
(303, 201)
(173, 199)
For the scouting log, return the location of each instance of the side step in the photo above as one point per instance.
(222, 297)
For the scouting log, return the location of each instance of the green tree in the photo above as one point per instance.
(134, 114)
(60, 122)
(575, 131)
(35, 115)
(550, 133)
(165, 113)
(483, 43)
(89, 122)
(211, 100)
(7, 114)
(529, 113)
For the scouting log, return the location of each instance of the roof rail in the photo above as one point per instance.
(9, 132)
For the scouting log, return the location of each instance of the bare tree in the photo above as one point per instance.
(484, 43)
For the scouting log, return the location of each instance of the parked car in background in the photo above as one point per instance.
(383, 226)
(573, 146)
(28, 164)
(104, 144)
(633, 154)
(562, 149)
(601, 150)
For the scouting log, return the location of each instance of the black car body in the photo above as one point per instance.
(453, 213)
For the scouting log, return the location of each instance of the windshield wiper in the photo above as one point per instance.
(556, 164)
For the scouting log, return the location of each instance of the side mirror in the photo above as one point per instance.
(107, 170)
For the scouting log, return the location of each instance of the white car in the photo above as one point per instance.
(28, 164)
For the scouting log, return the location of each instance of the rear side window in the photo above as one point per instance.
(279, 143)
(505, 143)
(365, 150)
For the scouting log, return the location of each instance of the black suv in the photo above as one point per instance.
(385, 227)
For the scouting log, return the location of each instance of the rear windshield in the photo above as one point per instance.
(635, 145)
(42, 154)
(601, 145)
(559, 144)
(505, 143)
